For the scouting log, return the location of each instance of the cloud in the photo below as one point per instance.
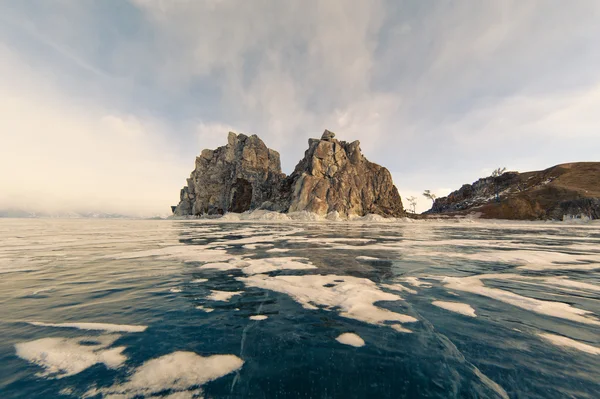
(59, 156)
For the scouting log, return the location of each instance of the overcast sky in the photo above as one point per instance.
(105, 104)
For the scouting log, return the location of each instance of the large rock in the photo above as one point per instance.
(234, 178)
(333, 176)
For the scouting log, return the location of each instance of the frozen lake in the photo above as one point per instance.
(202, 308)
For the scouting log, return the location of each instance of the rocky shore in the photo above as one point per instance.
(563, 191)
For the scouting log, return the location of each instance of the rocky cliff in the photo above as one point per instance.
(233, 178)
(333, 176)
(567, 190)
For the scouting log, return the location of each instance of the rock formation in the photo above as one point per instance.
(333, 176)
(234, 178)
(567, 190)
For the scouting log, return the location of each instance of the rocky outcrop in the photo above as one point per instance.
(333, 176)
(234, 178)
(562, 191)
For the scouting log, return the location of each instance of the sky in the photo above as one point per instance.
(104, 105)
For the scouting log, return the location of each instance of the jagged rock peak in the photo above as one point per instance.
(327, 135)
(334, 176)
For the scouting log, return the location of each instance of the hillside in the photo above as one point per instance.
(566, 190)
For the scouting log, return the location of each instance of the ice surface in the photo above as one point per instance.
(532, 260)
(220, 266)
(94, 326)
(456, 307)
(276, 250)
(177, 372)
(185, 253)
(63, 357)
(264, 265)
(350, 339)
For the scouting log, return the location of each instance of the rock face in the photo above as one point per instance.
(234, 178)
(333, 176)
(562, 191)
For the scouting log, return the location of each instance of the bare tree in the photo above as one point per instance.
(413, 203)
(430, 195)
(497, 172)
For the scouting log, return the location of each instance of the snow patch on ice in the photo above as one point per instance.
(94, 326)
(456, 307)
(63, 357)
(257, 246)
(400, 328)
(474, 285)
(564, 282)
(353, 297)
(264, 265)
(179, 372)
(277, 250)
(219, 266)
(350, 339)
(223, 296)
(185, 253)
(398, 287)
(259, 317)
(367, 259)
(415, 282)
(570, 343)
